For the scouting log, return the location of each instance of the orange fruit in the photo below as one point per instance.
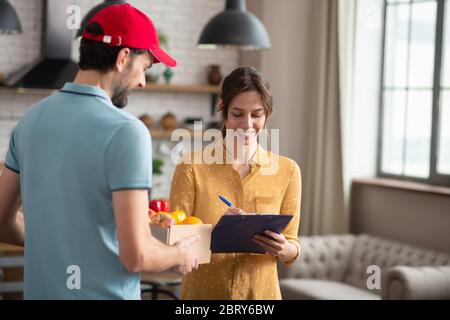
(192, 220)
(179, 216)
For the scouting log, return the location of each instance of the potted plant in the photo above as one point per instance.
(158, 70)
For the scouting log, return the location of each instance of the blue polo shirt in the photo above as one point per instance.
(72, 151)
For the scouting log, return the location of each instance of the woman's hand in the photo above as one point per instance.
(234, 212)
(276, 245)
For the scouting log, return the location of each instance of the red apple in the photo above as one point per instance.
(158, 205)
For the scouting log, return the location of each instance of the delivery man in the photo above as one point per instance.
(82, 168)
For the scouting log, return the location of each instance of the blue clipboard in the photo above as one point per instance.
(234, 234)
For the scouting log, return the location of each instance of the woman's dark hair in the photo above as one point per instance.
(244, 79)
(99, 56)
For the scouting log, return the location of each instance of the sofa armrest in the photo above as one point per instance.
(321, 257)
(414, 283)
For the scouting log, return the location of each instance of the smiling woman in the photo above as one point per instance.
(245, 86)
(246, 104)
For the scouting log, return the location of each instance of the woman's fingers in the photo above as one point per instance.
(266, 247)
(238, 211)
(269, 242)
(234, 211)
(277, 237)
(230, 212)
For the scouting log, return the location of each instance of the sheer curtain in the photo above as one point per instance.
(323, 209)
(360, 35)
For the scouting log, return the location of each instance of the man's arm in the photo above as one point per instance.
(12, 228)
(139, 251)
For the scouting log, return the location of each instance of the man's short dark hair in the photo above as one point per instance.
(99, 56)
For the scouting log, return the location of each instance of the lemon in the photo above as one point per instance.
(179, 216)
(192, 220)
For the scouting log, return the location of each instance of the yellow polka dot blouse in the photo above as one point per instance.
(273, 186)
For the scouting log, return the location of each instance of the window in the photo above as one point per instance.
(415, 91)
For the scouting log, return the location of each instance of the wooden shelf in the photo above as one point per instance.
(4, 247)
(36, 91)
(182, 88)
(214, 91)
(196, 89)
(160, 134)
(157, 87)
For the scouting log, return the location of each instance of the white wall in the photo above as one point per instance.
(409, 216)
(181, 20)
(286, 68)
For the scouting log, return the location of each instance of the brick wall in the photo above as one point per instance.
(181, 20)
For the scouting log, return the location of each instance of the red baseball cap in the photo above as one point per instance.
(124, 25)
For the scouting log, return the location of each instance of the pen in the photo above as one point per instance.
(228, 203)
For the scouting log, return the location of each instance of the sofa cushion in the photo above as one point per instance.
(307, 289)
(385, 254)
(322, 257)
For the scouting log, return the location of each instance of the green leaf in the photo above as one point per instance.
(157, 164)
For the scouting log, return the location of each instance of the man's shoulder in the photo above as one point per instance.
(129, 131)
(131, 125)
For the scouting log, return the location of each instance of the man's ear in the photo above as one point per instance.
(123, 57)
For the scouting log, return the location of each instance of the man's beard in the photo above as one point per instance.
(120, 96)
(121, 91)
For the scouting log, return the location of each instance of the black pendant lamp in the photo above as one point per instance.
(9, 21)
(235, 27)
(93, 11)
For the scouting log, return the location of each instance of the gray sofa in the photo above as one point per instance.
(347, 267)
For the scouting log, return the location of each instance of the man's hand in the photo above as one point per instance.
(12, 228)
(139, 251)
(190, 261)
